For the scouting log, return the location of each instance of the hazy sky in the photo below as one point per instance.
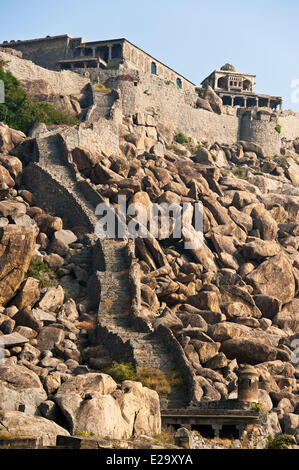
(192, 36)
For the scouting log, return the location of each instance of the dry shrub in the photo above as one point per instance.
(87, 325)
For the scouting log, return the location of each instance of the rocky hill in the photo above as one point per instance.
(71, 304)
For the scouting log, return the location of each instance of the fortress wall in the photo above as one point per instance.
(175, 108)
(64, 83)
(263, 133)
(45, 51)
(98, 137)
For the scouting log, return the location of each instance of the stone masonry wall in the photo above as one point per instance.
(64, 83)
(44, 51)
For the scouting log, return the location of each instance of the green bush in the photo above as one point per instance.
(40, 271)
(19, 110)
(121, 371)
(278, 128)
(180, 138)
(283, 441)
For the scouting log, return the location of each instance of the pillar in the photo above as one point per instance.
(248, 384)
(268, 103)
(81, 52)
(245, 102)
(217, 428)
(110, 54)
(93, 52)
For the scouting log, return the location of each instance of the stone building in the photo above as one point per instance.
(237, 89)
(67, 53)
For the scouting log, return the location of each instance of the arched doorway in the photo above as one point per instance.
(247, 86)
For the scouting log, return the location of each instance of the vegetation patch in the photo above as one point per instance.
(19, 110)
(161, 381)
(240, 173)
(85, 434)
(177, 150)
(278, 128)
(121, 371)
(101, 88)
(41, 271)
(180, 138)
(283, 441)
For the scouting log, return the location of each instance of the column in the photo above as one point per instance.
(245, 102)
(268, 103)
(256, 102)
(110, 53)
(217, 428)
(81, 52)
(93, 52)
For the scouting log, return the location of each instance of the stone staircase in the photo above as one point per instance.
(127, 344)
(114, 330)
(52, 158)
(103, 104)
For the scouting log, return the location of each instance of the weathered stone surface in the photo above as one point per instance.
(248, 351)
(214, 100)
(290, 423)
(52, 299)
(48, 224)
(91, 402)
(12, 208)
(274, 277)
(260, 249)
(16, 248)
(48, 337)
(13, 339)
(26, 318)
(9, 138)
(20, 387)
(65, 236)
(269, 306)
(28, 293)
(84, 158)
(23, 425)
(204, 104)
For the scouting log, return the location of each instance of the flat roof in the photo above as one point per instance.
(90, 43)
(134, 45)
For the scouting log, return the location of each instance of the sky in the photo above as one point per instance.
(194, 37)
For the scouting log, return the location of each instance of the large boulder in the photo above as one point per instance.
(91, 402)
(9, 138)
(203, 104)
(274, 277)
(20, 389)
(16, 248)
(28, 293)
(214, 100)
(17, 424)
(248, 351)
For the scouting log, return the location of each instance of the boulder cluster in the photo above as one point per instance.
(230, 302)
(233, 301)
(45, 314)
